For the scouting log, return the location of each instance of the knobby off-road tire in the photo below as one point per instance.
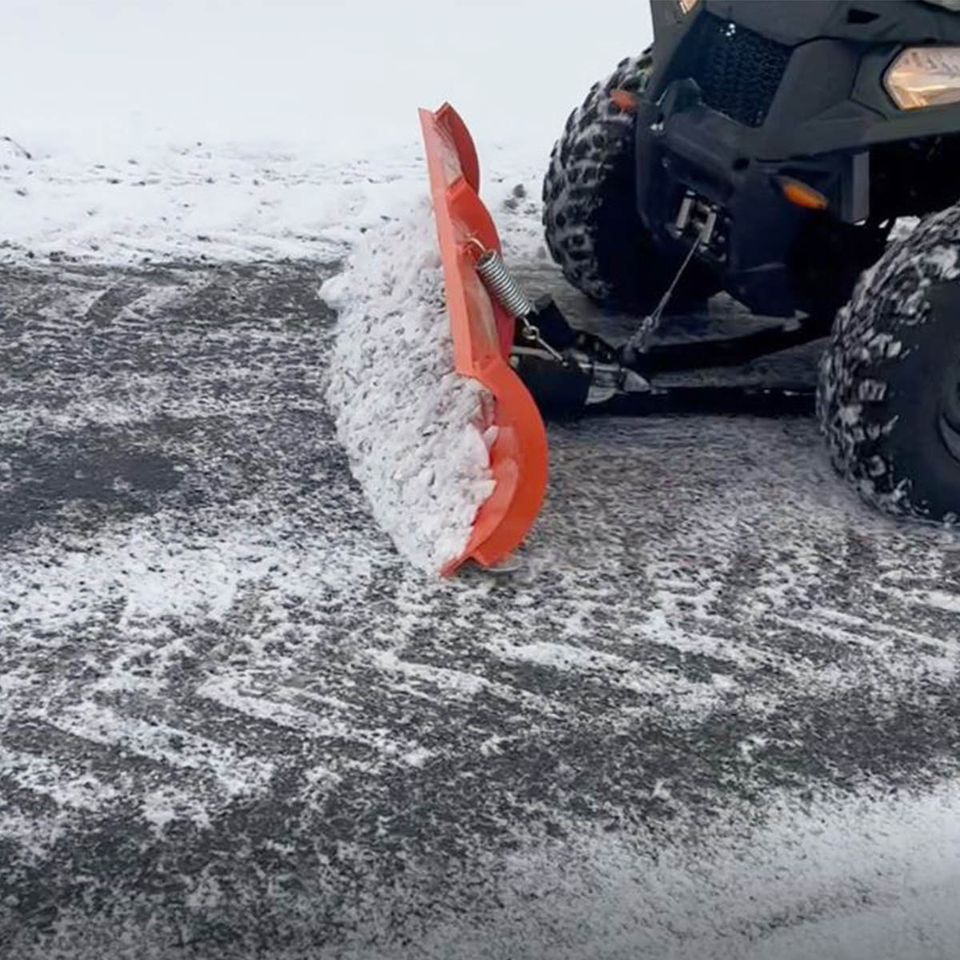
(590, 214)
(889, 394)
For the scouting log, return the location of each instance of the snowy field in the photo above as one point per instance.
(712, 712)
(245, 129)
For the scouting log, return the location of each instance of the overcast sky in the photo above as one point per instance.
(346, 72)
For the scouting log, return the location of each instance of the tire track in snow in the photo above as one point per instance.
(40, 775)
(167, 746)
(224, 642)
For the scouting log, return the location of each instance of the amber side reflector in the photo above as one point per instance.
(625, 100)
(801, 195)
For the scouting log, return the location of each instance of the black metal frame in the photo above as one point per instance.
(722, 400)
(559, 368)
(732, 351)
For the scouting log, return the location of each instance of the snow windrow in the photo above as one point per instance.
(412, 428)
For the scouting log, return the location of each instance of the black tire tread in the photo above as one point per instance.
(597, 143)
(880, 379)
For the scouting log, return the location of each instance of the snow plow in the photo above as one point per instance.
(684, 177)
(483, 334)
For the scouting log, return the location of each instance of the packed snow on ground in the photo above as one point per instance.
(416, 433)
(175, 200)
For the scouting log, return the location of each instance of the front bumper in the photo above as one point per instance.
(746, 93)
(685, 148)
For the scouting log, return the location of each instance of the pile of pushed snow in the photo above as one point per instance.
(412, 428)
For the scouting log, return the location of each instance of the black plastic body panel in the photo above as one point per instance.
(827, 111)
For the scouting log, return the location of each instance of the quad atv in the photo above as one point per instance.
(780, 153)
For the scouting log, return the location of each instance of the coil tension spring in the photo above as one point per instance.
(503, 286)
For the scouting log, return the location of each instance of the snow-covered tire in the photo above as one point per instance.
(593, 230)
(889, 393)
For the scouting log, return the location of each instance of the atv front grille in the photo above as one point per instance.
(738, 71)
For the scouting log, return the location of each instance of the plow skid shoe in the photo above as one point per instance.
(483, 338)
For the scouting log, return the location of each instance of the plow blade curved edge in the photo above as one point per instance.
(482, 341)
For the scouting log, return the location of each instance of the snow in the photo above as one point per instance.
(43, 775)
(153, 574)
(175, 201)
(244, 129)
(847, 878)
(235, 775)
(416, 432)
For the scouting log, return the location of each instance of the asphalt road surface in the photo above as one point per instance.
(234, 724)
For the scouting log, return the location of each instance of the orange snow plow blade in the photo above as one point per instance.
(482, 340)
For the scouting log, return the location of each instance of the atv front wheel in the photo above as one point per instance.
(590, 214)
(889, 396)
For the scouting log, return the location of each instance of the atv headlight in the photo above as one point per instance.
(925, 77)
(686, 6)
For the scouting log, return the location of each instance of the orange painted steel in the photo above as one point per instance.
(482, 340)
